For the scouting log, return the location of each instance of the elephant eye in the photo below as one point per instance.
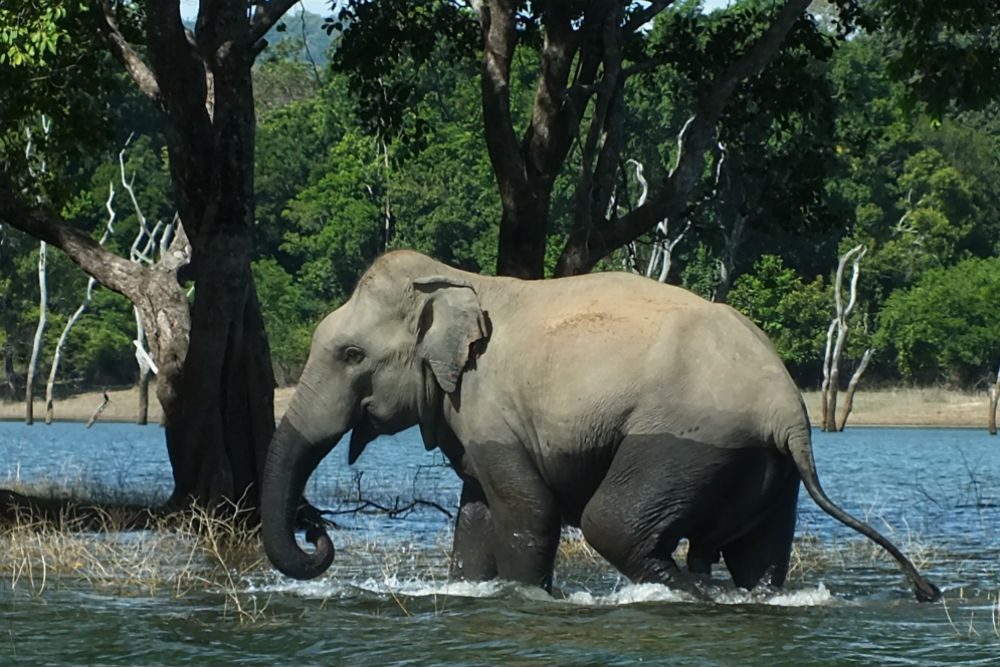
(353, 355)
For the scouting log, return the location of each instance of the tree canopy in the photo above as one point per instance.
(505, 136)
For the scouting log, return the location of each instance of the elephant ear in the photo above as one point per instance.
(451, 321)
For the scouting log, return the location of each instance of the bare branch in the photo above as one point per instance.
(123, 52)
(112, 271)
(852, 387)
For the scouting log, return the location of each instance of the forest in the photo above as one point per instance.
(825, 150)
(743, 152)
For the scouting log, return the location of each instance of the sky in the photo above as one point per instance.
(189, 8)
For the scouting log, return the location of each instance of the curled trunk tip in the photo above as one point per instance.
(290, 461)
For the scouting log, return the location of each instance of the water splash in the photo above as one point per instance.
(629, 594)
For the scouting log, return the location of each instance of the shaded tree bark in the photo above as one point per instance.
(222, 418)
(215, 381)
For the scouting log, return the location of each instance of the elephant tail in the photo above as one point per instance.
(800, 448)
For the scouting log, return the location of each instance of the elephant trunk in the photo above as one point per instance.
(291, 458)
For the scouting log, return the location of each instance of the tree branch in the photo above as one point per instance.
(499, 38)
(586, 247)
(112, 271)
(123, 52)
(645, 15)
(266, 16)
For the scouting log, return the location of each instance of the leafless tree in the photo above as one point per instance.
(43, 293)
(836, 338)
(662, 251)
(994, 401)
(78, 313)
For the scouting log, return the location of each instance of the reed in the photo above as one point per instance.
(176, 554)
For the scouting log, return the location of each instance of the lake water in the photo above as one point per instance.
(387, 600)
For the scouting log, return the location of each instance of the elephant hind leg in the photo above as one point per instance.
(761, 555)
(641, 555)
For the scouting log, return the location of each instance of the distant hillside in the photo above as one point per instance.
(299, 36)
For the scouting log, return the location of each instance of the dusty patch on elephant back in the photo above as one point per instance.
(588, 321)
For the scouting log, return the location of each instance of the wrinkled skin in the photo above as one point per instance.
(637, 411)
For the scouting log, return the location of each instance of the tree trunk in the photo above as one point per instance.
(36, 347)
(994, 401)
(218, 440)
(8, 367)
(142, 418)
(224, 421)
(523, 231)
(56, 358)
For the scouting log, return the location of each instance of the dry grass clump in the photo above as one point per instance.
(177, 554)
(811, 554)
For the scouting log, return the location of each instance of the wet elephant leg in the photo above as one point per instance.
(635, 518)
(642, 552)
(762, 554)
(472, 553)
(526, 520)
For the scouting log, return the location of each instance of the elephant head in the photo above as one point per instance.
(380, 363)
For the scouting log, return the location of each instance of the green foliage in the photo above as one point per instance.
(945, 328)
(337, 221)
(827, 147)
(947, 52)
(290, 315)
(52, 64)
(795, 314)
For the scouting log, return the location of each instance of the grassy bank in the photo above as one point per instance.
(885, 407)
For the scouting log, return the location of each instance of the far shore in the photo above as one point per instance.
(883, 407)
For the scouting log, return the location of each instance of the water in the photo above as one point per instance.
(387, 600)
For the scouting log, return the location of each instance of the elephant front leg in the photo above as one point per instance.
(472, 557)
(524, 516)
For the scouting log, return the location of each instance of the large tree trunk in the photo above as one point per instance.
(224, 421)
(523, 232)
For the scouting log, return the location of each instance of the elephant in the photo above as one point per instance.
(639, 412)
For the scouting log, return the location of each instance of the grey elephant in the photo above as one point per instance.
(637, 411)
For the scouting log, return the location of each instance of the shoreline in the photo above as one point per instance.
(900, 407)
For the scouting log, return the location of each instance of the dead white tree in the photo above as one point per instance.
(836, 338)
(661, 255)
(36, 346)
(78, 313)
(994, 401)
(142, 252)
(732, 198)
(43, 295)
